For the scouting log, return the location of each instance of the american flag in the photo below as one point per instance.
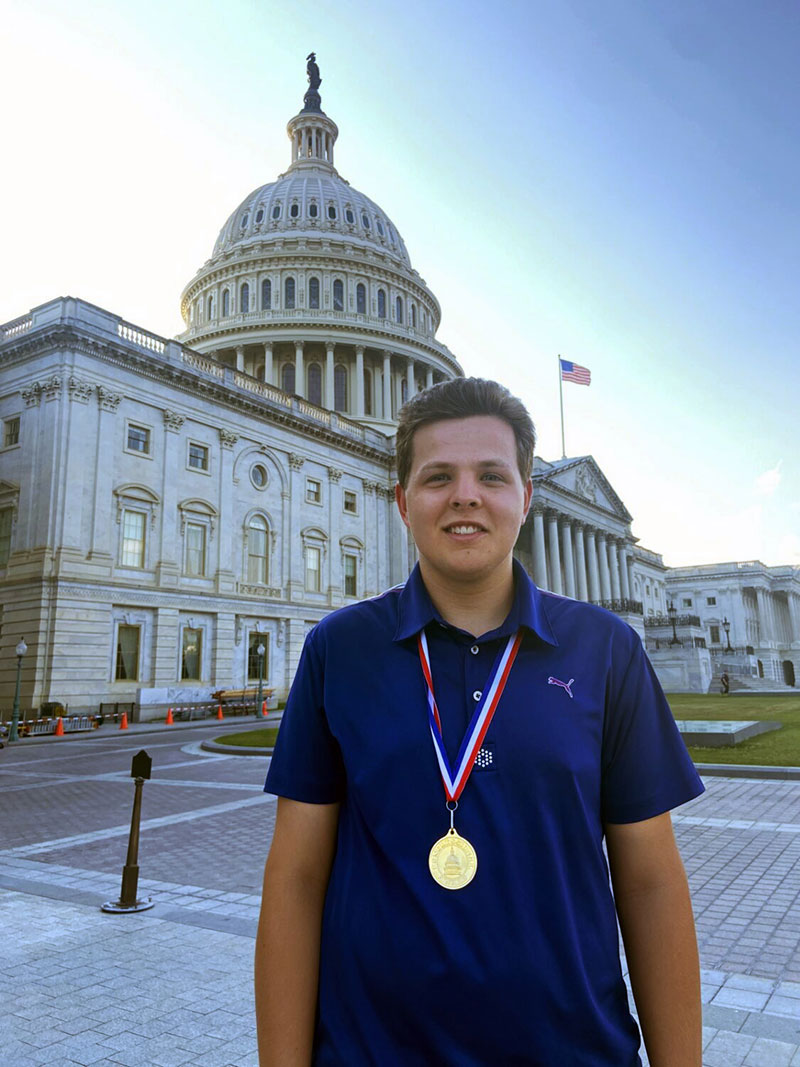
(574, 372)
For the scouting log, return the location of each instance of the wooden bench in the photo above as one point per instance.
(244, 701)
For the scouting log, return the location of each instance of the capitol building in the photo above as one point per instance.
(170, 506)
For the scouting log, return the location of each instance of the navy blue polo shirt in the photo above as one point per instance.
(522, 965)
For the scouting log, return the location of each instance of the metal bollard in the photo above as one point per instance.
(141, 766)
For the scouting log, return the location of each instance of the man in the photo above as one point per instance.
(452, 755)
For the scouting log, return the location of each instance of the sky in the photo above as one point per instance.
(613, 181)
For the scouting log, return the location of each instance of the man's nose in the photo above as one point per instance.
(465, 493)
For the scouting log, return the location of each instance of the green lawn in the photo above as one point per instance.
(779, 748)
(251, 738)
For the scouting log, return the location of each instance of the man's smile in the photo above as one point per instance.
(464, 528)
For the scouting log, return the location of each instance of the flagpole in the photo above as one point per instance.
(561, 400)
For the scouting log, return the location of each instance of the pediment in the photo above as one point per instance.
(583, 479)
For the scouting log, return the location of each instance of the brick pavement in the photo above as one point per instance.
(172, 985)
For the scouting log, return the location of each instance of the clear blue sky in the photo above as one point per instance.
(613, 181)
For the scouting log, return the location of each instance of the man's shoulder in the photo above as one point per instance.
(576, 618)
(361, 619)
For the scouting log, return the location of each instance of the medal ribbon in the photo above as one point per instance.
(484, 713)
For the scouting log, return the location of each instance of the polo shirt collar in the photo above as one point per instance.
(415, 608)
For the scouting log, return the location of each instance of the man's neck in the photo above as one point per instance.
(476, 607)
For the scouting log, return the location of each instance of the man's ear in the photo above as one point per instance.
(527, 499)
(400, 500)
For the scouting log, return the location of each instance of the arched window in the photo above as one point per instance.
(340, 387)
(315, 383)
(288, 293)
(266, 294)
(367, 391)
(331, 211)
(276, 211)
(259, 216)
(287, 377)
(338, 295)
(399, 309)
(381, 304)
(244, 299)
(349, 216)
(414, 315)
(313, 292)
(226, 303)
(379, 224)
(313, 210)
(257, 551)
(361, 298)
(212, 306)
(403, 390)
(294, 210)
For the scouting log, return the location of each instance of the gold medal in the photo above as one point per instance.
(452, 861)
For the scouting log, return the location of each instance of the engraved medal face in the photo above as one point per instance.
(452, 861)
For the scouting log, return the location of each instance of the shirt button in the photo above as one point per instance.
(476, 696)
(474, 650)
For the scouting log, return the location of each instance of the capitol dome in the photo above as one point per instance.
(310, 289)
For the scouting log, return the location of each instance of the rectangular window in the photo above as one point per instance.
(257, 552)
(350, 588)
(198, 456)
(138, 439)
(195, 549)
(711, 601)
(313, 491)
(127, 669)
(350, 502)
(254, 670)
(715, 635)
(133, 534)
(5, 535)
(11, 432)
(687, 602)
(191, 653)
(313, 561)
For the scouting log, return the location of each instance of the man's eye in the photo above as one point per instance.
(491, 476)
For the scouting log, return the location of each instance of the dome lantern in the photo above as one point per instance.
(311, 132)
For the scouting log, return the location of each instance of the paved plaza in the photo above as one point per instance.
(172, 985)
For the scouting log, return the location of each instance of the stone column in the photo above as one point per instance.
(168, 567)
(102, 531)
(602, 559)
(623, 571)
(555, 555)
(295, 571)
(580, 553)
(428, 377)
(329, 395)
(299, 371)
(411, 384)
(240, 357)
(359, 412)
(387, 385)
(794, 616)
(764, 617)
(592, 555)
(566, 548)
(335, 579)
(539, 550)
(268, 362)
(227, 560)
(616, 588)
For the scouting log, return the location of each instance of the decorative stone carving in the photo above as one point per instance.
(173, 422)
(79, 390)
(32, 396)
(52, 387)
(107, 400)
(585, 485)
(296, 461)
(227, 439)
(334, 474)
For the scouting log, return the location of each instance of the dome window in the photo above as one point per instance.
(226, 303)
(288, 293)
(260, 215)
(258, 475)
(367, 391)
(244, 298)
(338, 295)
(381, 303)
(413, 313)
(403, 391)
(391, 233)
(266, 294)
(340, 387)
(212, 306)
(315, 384)
(313, 209)
(349, 216)
(361, 298)
(287, 377)
(276, 211)
(294, 210)
(398, 308)
(365, 220)
(313, 292)
(332, 212)
(245, 220)
(379, 224)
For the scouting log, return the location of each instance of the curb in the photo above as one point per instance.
(135, 729)
(745, 770)
(235, 750)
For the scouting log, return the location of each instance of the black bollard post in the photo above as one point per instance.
(141, 766)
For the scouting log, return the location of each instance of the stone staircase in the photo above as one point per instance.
(739, 684)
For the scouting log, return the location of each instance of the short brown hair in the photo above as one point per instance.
(461, 398)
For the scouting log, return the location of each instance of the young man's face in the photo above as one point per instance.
(465, 499)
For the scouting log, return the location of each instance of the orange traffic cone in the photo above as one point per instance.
(169, 720)
(264, 708)
(123, 722)
(59, 730)
(219, 712)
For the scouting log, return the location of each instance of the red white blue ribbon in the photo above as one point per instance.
(454, 779)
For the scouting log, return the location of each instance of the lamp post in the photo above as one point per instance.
(673, 611)
(260, 650)
(726, 626)
(22, 648)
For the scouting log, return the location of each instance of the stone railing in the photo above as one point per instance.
(141, 338)
(666, 620)
(269, 392)
(621, 607)
(16, 327)
(209, 366)
(266, 592)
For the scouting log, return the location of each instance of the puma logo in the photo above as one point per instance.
(564, 685)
